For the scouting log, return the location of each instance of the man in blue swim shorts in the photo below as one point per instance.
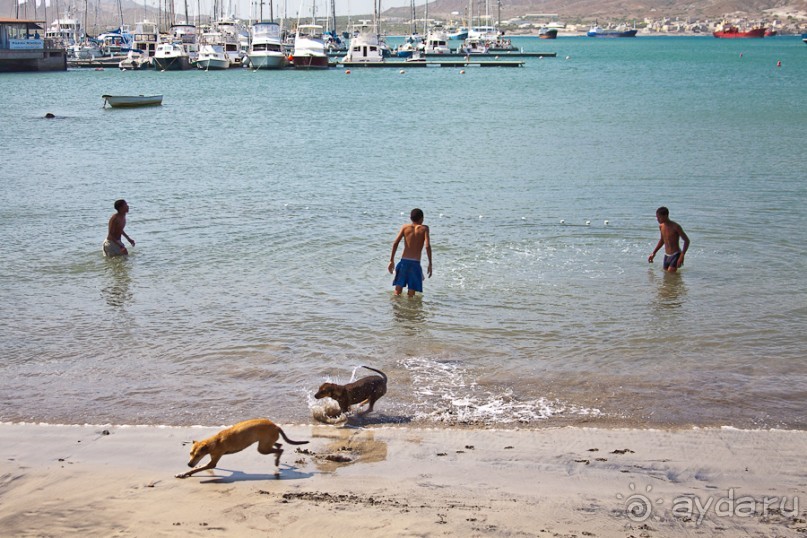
(671, 232)
(408, 272)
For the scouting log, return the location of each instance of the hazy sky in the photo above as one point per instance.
(242, 8)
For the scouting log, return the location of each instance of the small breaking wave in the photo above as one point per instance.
(446, 392)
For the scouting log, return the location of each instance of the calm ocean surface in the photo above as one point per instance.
(264, 206)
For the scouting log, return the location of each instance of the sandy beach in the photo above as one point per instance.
(110, 480)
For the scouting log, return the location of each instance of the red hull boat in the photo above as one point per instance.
(734, 32)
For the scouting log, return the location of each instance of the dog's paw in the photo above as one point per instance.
(181, 475)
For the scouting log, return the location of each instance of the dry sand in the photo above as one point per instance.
(106, 480)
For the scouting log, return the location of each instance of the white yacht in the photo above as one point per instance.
(437, 41)
(309, 48)
(266, 48)
(144, 45)
(365, 46)
(212, 56)
(235, 40)
(180, 51)
(66, 31)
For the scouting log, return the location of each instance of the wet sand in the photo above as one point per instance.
(105, 480)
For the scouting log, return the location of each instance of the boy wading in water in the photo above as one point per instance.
(671, 232)
(409, 273)
(113, 246)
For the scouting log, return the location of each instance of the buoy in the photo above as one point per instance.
(402, 71)
(605, 222)
(347, 71)
(462, 71)
(441, 215)
(588, 222)
(562, 221)
(779, 63)
(741, 55)
(568, 57)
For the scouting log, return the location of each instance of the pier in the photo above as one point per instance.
(432, 63)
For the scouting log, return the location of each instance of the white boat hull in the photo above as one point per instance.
(213, 64)
(264, 61)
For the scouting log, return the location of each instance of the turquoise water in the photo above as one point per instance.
(264, 206)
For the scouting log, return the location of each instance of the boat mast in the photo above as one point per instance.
(412, 15)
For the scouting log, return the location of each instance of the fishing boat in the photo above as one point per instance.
(620, 31)
(266, 49)
(309, 48)
(131, 101)
(732, 32)
(548, 33)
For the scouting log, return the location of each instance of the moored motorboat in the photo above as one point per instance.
(212, 56)
(180, 51)
(732, 32)
(309, 48)
(365, 46)
(266, 49)
(131, 101)
(437, 41)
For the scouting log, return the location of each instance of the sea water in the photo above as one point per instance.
(264, 206)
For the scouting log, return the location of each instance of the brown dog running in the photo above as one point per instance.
(235, 439)
(367, 389)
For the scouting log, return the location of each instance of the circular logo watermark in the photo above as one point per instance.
(638, 506)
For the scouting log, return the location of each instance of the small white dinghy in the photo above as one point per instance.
(129, 101)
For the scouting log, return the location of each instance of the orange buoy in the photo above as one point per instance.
(347, 71)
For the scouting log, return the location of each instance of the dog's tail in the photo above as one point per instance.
(378, 372)
(289, 441)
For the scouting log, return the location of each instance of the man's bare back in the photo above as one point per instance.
(416, 238)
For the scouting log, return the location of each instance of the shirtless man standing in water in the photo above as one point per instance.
(113, 246)
(670, 234)
(409, 272)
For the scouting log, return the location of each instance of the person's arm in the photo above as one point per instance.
(127, 237)
(428, 246)
(658, 246)
(685, 237)
(391, 265)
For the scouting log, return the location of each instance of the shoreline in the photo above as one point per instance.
(404, 480)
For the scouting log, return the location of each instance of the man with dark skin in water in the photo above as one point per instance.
(409, 272)
(671, 232)
(113, 246)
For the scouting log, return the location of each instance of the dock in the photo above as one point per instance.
(508, 54)
(431, 63)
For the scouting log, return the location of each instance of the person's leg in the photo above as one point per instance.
(398, 290)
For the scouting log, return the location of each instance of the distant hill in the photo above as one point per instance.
(103, 14)
(623, 10)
